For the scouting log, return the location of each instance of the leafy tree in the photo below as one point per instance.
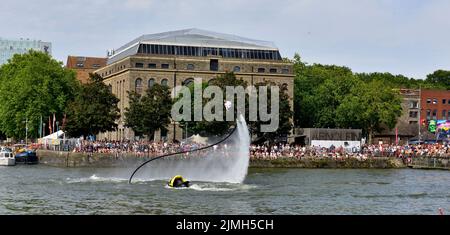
(285, 115)
(32, 86)
(370, 106)
(216, 128)
(318, 90)
(94, 109)
(150, 112)
(440, 78)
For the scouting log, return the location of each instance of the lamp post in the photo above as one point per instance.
(26, 131)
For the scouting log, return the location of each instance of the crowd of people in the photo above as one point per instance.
(363, 152)
(146, 148)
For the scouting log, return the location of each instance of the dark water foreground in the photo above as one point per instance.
(46, 190)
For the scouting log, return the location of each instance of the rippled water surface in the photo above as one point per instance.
(46, 190)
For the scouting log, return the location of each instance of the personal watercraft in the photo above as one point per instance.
(179, 182)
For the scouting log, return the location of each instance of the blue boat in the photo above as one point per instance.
(27, 157)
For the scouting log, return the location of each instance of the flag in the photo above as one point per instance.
(54, 120)
(396, 136)
(50, 124)
(64, 121)
(40, 128)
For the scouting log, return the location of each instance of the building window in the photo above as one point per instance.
(151, 82)
(428, 114)
(435, 114)
(188, 82)
(165, 66)
(285, 71)
(273, 70)
(214, 65)
(190, 67)
(444, 114)
(138, 85)
(139, 65)
(164, 82)
(413, 105)
(428, 101)
(110, 88)
(164, 134)
(448, 115)
(261, 70)
(444, 101)
(237, 69)
(435, 101)
(152, 66)
(80, 65)
(95, 66)
(413, 114)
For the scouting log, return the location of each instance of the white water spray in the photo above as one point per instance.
(229, 163)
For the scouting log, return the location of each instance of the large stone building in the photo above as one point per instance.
(407, 124)
(10, 47)
(175, 58)
(83, 66)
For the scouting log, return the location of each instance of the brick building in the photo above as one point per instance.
(85, 65)
(419, 107)
(176, 58)
(435, 105)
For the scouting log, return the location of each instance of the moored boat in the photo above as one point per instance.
(7, 157)
(26, 156)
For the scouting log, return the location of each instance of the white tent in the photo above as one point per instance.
(199, 139)
(54, 136)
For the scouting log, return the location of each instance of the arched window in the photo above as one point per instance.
(188, 82)
(237, 69)
(151, 83)
(211, 81)
(164, 82)
(138, 85)
(284, 87)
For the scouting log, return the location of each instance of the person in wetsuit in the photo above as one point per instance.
(178, 182)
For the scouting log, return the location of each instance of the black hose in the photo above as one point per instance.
(188, 151)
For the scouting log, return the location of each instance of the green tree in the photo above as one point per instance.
(32, 86)
(94, 109)
(285, 115)
(217, 128)
(370, 106)
(440, 78)
(318, 91)
(150, 112)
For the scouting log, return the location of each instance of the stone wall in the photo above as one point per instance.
(69, 159)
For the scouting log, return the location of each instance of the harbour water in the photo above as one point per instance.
(41, 189)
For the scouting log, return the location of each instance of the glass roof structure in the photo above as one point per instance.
(196, 41)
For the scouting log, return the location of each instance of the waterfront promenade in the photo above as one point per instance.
(82, 159)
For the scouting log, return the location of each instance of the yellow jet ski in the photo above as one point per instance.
(178, 182)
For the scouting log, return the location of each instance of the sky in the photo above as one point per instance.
(409, 37)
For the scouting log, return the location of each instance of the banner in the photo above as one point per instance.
(432, 126)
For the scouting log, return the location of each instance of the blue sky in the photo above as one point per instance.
(410, 37)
